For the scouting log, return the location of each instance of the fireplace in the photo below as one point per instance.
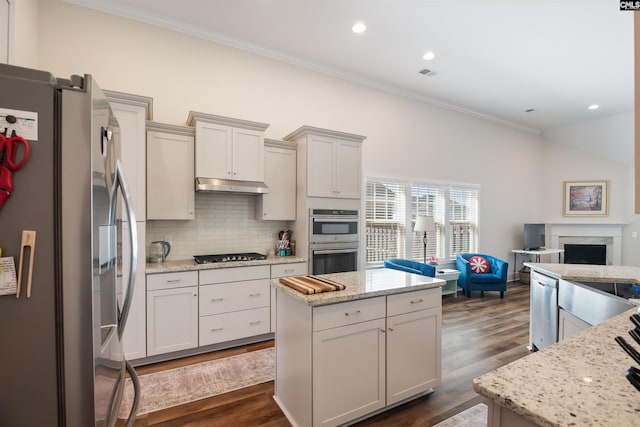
(585, 254)
(609, 235)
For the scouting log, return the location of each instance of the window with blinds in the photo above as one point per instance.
(428, 200)
(385, 221)
(463, 220)
(391, 212)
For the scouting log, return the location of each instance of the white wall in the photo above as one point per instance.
(25, 52)
(405, 138)
(614, 132)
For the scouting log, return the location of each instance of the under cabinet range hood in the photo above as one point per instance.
(230, 186)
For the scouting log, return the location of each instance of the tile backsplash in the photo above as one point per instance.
(224, 223)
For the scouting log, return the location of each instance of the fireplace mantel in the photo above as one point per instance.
(586, 230)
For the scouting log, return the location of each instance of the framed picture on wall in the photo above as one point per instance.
(585, 198)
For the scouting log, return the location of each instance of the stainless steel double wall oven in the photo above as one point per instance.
(334, 239)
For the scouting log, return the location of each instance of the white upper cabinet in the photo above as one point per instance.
(170, 185)
(228, 148)
(132, 112)
(7, 8)
(280, 176)
(329, 162)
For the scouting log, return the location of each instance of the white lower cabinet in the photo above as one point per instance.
(188, 309)
(235, 325)
(361, 356)
(413, 353)
(172, 312)
(348, 372)
(234, 303)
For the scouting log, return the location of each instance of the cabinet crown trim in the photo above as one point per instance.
(174, 129)
(280, 144)
(131, 99)
(195, 116)
(305, 130)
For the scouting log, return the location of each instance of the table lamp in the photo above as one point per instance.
(424, 224)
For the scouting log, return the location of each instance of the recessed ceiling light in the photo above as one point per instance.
(358, 27)
(593, 107)
(428, 55)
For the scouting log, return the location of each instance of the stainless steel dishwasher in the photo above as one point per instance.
(544, 310)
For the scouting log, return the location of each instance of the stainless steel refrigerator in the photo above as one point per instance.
(61, 357)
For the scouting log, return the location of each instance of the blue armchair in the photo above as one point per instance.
(469, 281)
(410, 266)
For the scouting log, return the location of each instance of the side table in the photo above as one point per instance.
(451, 277)
(537, 253)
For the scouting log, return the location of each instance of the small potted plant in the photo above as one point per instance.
(431, 260)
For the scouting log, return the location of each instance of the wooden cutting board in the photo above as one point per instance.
(311, 284)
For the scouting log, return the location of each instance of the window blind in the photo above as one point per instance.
(428, 200)
(463, 220)
(385, 221)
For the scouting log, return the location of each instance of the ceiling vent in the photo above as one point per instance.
(428, 72)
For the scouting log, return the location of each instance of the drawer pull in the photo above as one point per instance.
(255, 295)
(174, 281)
(416, 301)
(217, 329)
(216, 299)
(289, 270)
(353, 313)
(257, 322)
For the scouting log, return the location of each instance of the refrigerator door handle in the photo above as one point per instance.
(121, 182)
(136, 394)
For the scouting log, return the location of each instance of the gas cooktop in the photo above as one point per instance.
(249, 256)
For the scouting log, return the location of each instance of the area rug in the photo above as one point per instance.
(173, 387)
(476, 416)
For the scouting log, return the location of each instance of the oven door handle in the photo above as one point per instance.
(335, 251)
(343, 219)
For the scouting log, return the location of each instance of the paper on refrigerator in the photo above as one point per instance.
(8, 280)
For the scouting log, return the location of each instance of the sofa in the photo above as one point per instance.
(494, 280)
(410, 266)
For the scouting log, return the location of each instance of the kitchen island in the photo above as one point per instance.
(592, 273)
(345, 355)
(578, 381)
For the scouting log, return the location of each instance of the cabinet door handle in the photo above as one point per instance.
(353, 313)
(390, 329)
(217, 329)
(255, 295)
(416, 301)
(384, 331)
(257, 322)
(216, 299)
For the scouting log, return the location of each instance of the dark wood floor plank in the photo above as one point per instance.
(479, 334)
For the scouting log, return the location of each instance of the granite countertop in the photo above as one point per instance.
(593, 273)
(365, 284)
(190, 265)
(577, 382)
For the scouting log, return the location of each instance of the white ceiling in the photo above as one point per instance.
(495, 58)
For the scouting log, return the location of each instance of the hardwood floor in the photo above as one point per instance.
(479, 334)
